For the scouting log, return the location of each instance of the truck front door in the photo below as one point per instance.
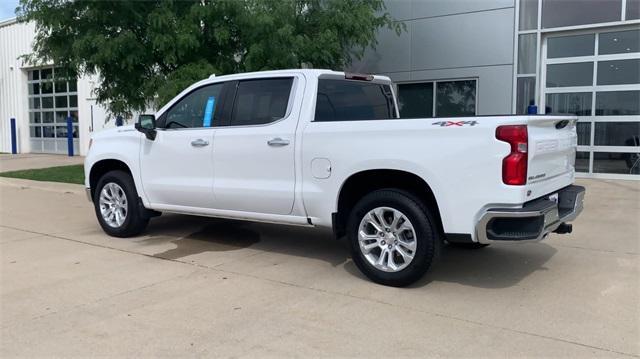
(177, 167)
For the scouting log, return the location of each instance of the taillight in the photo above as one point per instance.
(514, 166)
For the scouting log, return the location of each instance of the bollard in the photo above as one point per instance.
(14, 138)
(70, 136)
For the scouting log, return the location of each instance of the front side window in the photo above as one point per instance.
(345, 100)
(195, 110)
(259, 102)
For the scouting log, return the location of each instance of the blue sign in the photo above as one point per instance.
(208, 112)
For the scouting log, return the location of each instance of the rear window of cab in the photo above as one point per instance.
(346, 100)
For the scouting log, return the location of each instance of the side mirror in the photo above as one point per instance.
(147, 125)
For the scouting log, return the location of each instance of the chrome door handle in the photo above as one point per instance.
(277, 142)
(199, 143)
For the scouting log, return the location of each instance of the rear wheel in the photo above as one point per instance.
(116, 205)
(393, 237)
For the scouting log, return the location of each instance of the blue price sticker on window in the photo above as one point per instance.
(208, 112)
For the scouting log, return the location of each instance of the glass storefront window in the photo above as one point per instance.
(46, 87)
(47, 117)
(456, 98)
(559, 13)
(571, 46)
(453, 98)
(619, 42)
(34, 117)
(615, 162)
(36, 131)
(61, 87)
(584, 133)
(572, 74)
(633, 9)
(34, 75)
(577, 103)
(619, 72)
(47, 102)
(47, 131)
(61, 117)
(526, 94)
(618, 103)
(592, 71)
(47, 74)
(415, 100)
(61, 131)
(61, 101)
(34, 89)
(34, 103)
(582, 162)
(528, 15)
(527, 54)
(617, 134)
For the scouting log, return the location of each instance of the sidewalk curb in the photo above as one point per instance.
(42, 185)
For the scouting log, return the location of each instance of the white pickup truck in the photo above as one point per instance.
(328, 149)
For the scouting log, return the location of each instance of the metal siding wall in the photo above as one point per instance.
(15, 40)
(448, 39)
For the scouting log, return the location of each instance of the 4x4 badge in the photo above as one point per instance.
(455, 123)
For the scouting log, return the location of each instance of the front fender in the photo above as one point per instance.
(123, 146)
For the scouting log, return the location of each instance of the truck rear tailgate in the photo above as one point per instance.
(552, 153)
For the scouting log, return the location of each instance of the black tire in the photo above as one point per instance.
(468, 245)
(135, 222)
(428, 241)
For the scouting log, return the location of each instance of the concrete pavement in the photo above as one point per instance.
(206, 287)
(26, 161)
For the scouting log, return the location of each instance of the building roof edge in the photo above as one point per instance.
(8, 22)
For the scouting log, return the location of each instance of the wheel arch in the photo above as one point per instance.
(99, 168)
(360, 183)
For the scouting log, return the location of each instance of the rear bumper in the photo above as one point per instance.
(535, 220)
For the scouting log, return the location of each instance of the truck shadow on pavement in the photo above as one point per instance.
(194, 235)
(496, 266)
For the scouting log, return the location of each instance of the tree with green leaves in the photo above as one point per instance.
(146, 52)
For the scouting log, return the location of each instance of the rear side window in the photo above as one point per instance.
(259, 102)
(343, 100)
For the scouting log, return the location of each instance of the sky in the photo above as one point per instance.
(7, 8)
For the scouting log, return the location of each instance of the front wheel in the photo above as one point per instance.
(116, 205)
(393, 237)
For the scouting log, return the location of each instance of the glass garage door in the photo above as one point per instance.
(52, 98)
(596, 75)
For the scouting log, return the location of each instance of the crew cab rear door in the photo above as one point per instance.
(254, 152)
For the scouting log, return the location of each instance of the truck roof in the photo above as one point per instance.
(307, 72)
